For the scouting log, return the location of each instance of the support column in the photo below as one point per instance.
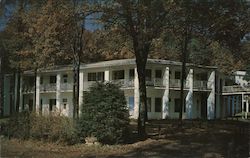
(58, 92)
(38, 77)
(242, 105)
(106, 75)
(233, 105)
(81, 88)
(165, 105)
(21, 108)
(247, 108)
(136, 96)
(189, 97)
(126, 77)
(15, 91)
(211, 97)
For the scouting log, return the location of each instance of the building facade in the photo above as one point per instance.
(54, 88)
(236, 95)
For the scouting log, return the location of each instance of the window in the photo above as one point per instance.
(131, 104)
(31, 81)
(158, 74)
(158, 104)
(118, 74)
(131, 74)
(65, 78)
(52, 79)
(149, 104)
(100, 76)
(96, 76)
(177, 105)
(92, 76)
(65, 103)
(177, 75)
(41, 80)
(148, 75)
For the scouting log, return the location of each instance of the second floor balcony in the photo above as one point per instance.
(235, 89)
(28, 89)
(51, 87)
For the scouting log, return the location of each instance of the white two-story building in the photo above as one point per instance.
(54, 88)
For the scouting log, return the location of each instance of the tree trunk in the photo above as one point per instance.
(141, 60)
(183, 73)
(18, 90)
(1, 88)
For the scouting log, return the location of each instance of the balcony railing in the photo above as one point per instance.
(28, 89)
(235, 88)
(66, 86)
(200, 85)
(124, 83)
(48, 87)
(158, 82)
(175, 83)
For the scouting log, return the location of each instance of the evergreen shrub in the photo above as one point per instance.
(104, 114)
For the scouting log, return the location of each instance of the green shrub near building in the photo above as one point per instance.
(104, 114)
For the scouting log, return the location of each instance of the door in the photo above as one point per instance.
(52, 104)
(30, 104)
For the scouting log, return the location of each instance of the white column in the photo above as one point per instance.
(247, 108)
(21, 94)
(37, 92)
(106, 75)
(211, 97)
(58, 92)
(189, 97)
(81, 88)
(136, 96)
(165, 102)
(242, 105)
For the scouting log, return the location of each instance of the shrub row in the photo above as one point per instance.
(104, 116)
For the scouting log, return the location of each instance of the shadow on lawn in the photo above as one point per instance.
(212, 140)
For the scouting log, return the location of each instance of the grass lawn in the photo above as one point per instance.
(208, 139)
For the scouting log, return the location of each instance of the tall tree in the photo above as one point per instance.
(142, 21)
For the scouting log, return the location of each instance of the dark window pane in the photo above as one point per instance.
(65, 78)
(177, 105)
(100, 76)
(41, 80)
(149, 104)
(177, 75)
(158, 102)
(118, 75)
(92, 76)
(52, 79)
(131, 74)
(158, 74)
(148, 75)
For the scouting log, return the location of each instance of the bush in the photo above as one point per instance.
(104, 114)
(52, 128)
(18, 125)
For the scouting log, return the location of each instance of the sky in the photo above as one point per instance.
(90, 23)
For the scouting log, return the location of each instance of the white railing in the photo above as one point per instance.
(175, 83)
(28, 89)
(235, 88)
(124, 83)
(48, 87)
(200, 84)
(66, 86)
(158, 82)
